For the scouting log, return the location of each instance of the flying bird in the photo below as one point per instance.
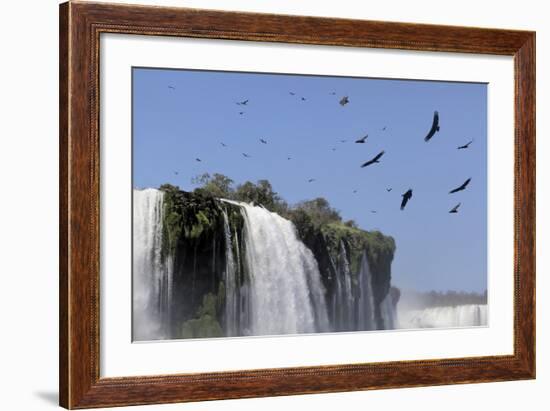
(303, 98)
(242, 103)
(362, 139)
(241, 112)
(171, 87)
(292, 93)
(455, 209)
(389, 189)
(246, 155)
(311, 180)
(344, 101)
(384, 128)
(465, 145)
(406, 197)
(373, 160)
(263, 141)
(198, 159)
(333, 93)
(176, 173)
(354, 191)
(289, 158)
(223, 144)
(373, 211)
(333, 148)
(343, 141)
(462, 187)
(435, 127)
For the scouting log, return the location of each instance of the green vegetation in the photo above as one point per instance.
(310, 217)
(205, 325)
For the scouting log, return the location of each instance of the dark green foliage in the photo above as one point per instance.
(205, 325)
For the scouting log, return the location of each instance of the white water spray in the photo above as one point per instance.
(284, 286)
(152, 277)
(471, 315)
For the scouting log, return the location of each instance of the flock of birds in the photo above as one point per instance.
(406, 197)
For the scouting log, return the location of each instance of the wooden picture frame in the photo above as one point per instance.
(80, 27)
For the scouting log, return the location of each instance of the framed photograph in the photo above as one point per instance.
(258, 205)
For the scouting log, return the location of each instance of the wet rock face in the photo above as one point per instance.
(327, 242)
(195, 243)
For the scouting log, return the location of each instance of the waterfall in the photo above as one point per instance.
(231, 283)
(471, 315)
(284, 286)
(152, 277)
(366, 319)
(387, 311)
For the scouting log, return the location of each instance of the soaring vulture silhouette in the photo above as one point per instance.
(389, 189)
(465, 145)
(462, 187)
(311, 180)
(344, 101)
(455, 209)
(263, 141)
(406, 197)
(246, 155)
(242, 103)
(171, 87)
(376, 159)
(362, 139)
(435, 127)
(198, 159)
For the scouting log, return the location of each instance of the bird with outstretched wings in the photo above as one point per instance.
(462, 147)
(406, 197)
(462, 187)
(344, 101)
(376, 159)
(362, 139)
(454, 210)
(435, 127)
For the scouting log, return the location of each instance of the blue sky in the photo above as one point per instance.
(435, 249)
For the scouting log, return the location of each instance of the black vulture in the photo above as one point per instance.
(171, 87)
(462, 187)
(406, 197)
(241, 112)
(263, 141)
(344, 101)
(198, 159)
(362, 139)
(435, 127)
(455, 209)
(242, 103)
(389, 189)
(292, 93)
(223, 144)
(373, 160)
(465, 145)
(246, 155)
(311, 180)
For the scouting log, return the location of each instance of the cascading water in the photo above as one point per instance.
(284, 285)
(366, 319)
(152, 277)
(471, 315)
(231, 284)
